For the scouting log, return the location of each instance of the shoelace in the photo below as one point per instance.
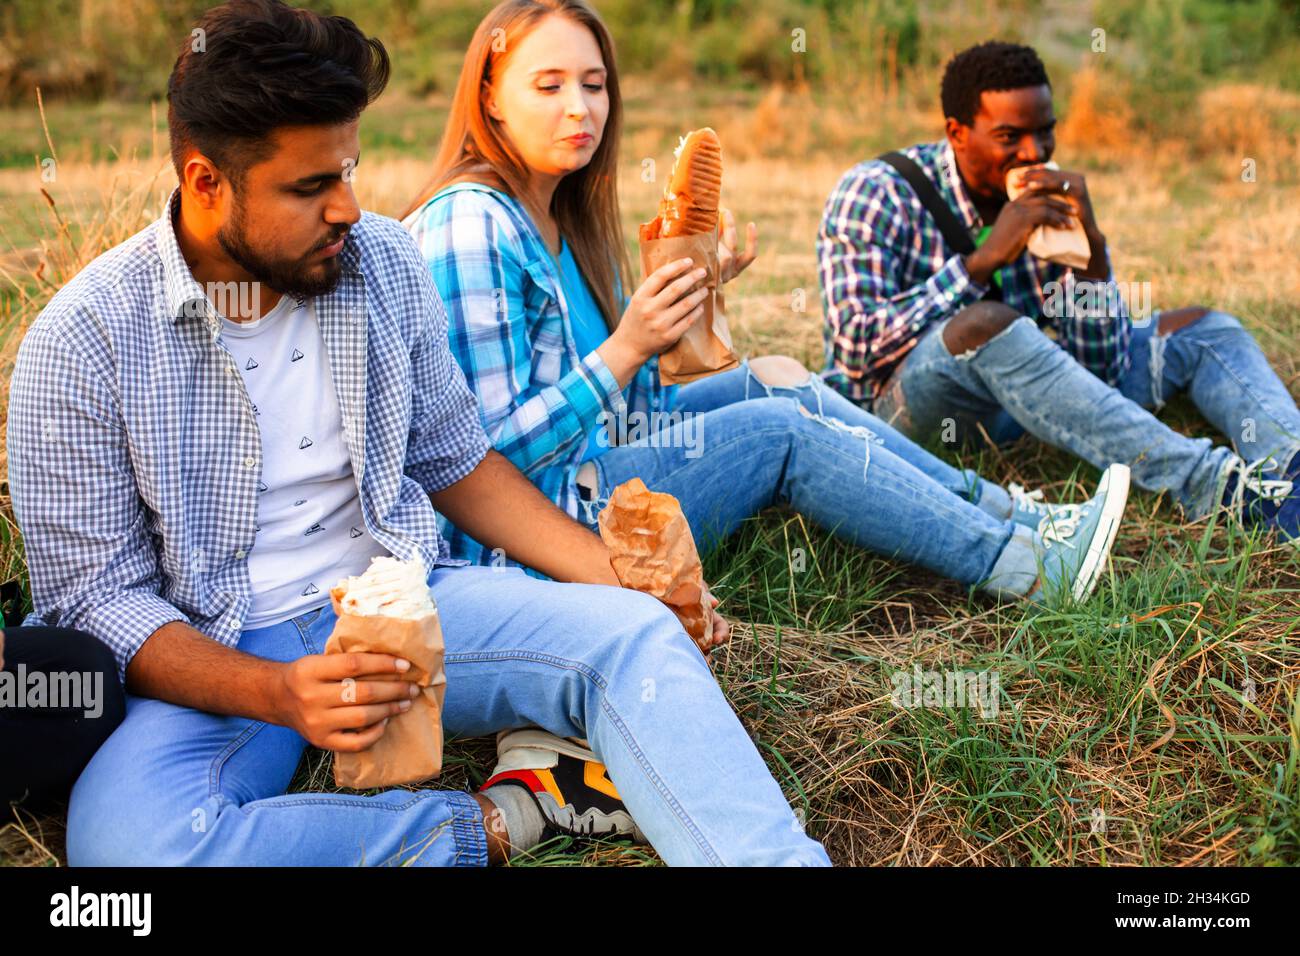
(1034, 502)
(1058, 522)
(1056, 528)
(1027, 500)
(1252, 476)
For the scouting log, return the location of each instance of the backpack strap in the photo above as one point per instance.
(954, 233)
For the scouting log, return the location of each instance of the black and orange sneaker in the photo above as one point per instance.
(568, 783)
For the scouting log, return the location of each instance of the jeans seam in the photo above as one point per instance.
(608, 708)
(1244, 386)
(465, 822)
(467, 830)
(905, 481)
(1021, 412)
(304, 630)
(219, 762)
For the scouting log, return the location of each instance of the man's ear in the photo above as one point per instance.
(956, 131)
(202, 180)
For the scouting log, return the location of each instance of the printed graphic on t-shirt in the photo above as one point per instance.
(309, 529)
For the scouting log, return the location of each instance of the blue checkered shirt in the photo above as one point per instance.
(511, 333)
(887, 276)
(134, 452)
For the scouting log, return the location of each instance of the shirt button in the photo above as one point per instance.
(241, 554)
(230, 370)
(250, 461)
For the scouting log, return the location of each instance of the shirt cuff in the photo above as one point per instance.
(953, 284)
(434, 480)
(603, 384)
(124, 622)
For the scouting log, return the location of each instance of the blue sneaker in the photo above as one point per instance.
(1076, 544)
(1261, 494)
(1029, 509)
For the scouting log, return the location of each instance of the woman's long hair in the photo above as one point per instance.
(475, 148)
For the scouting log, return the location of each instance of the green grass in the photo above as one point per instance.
(1133, 705)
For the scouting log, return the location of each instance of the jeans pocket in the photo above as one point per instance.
(305, 622)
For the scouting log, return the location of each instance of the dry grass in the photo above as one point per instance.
(1130, 707)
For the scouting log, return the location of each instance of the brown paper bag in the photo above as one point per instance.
(706, 347)
(410, 748)
(1067, 246)
(652, 550)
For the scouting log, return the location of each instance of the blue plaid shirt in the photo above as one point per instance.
(887, 276)
(510, 331)
(135, 456)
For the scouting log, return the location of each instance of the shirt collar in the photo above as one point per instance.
(956, 188)
(184, 294)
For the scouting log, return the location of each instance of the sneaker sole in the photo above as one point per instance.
(1115, 483)
(540, 739)
(536, 739)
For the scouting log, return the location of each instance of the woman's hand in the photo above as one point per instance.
(730, 264)
(658, 314)
(721, 626)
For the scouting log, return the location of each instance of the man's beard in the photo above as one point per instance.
(288, 277)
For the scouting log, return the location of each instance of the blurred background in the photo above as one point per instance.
(1181, 111)
(1145, 69)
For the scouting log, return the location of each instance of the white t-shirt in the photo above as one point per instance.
(310, 530)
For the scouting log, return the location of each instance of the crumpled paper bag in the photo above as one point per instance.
(706, 347)
(1067, 246)
(652, 549)
(410, 748)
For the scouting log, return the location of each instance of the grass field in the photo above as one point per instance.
(1157, 724)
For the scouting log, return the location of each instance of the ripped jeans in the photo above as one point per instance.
(741, 446)
(1020, 380)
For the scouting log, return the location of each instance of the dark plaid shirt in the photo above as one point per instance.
(887, 276)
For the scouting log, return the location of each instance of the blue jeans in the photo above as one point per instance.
(1020, 380)
(174, 785)
(743, 446)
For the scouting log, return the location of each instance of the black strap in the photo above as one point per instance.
(954, 233)
(12, 604)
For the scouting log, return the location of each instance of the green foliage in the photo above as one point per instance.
(1175, 46)
(93, 48)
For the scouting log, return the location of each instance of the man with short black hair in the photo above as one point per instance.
(933, 306)
(191, 478)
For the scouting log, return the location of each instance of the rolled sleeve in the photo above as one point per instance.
(590, 388)
(951, 289)
(89, 553)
